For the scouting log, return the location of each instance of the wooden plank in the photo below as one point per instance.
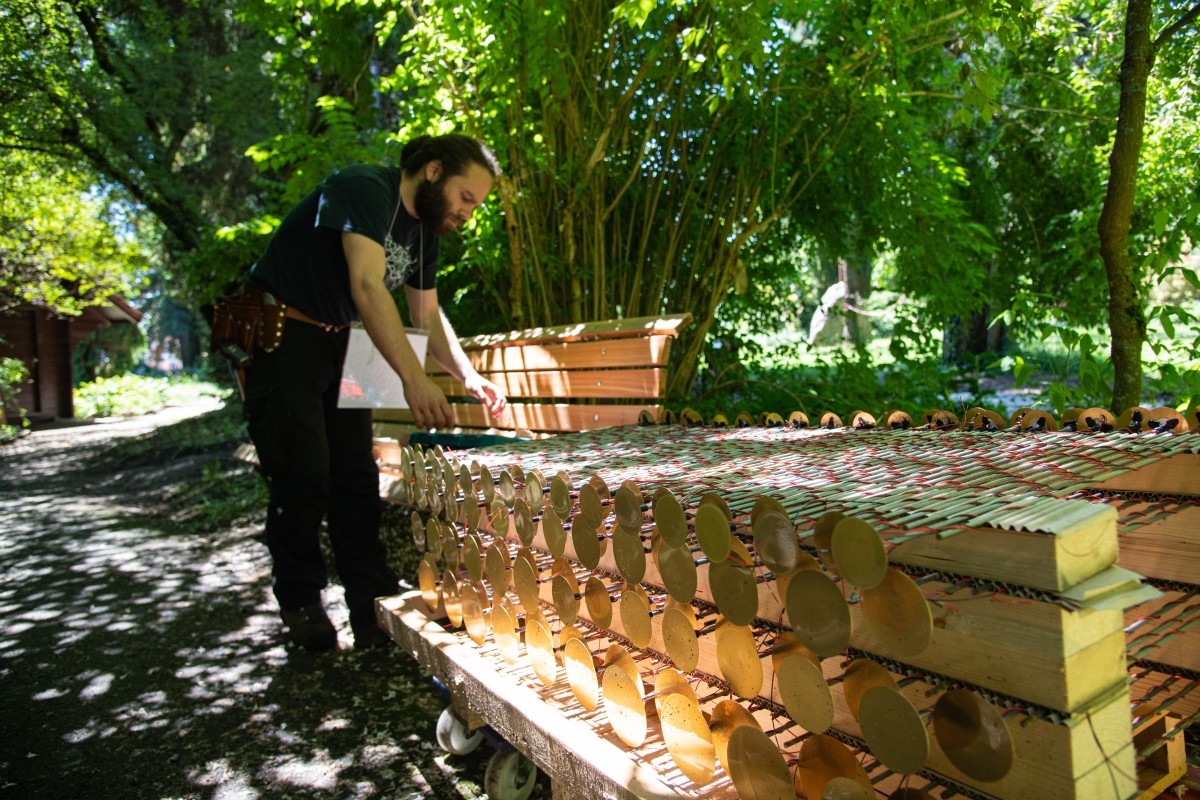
(1166, 548)
(668, 325)
(563, 384)
(536, 417)
(640, 352)
(1166, 630)
(576, 758)
(1178, 475)
(1166, 765)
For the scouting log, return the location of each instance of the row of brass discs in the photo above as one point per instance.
(894, 609)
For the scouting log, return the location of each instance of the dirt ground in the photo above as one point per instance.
(139, 660)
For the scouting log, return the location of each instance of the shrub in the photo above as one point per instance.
(123, 395)
(12, 374)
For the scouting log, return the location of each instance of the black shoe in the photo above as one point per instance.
(370, 639)
(310, 628)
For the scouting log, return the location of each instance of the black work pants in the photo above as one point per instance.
(319, 464)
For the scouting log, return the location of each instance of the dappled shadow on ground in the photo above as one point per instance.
(137, 660)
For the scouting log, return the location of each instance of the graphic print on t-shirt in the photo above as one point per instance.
(400, 262)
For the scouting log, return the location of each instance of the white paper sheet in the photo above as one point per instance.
(367, 380)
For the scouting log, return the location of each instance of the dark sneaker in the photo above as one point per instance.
(371, 638)
(310, 628)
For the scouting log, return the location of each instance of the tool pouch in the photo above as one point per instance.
(246, 320)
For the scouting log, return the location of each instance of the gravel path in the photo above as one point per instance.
(138, 660)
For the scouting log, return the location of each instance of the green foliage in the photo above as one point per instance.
(123, 395)
(13, 373)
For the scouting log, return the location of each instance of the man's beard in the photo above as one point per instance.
(433, 209)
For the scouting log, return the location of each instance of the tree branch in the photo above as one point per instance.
(1175, 27)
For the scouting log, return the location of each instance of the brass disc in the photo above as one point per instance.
(862, 675)
(818, 613)
(525, 581)
(535, 493)
(1095, 418)
(472, 555)
(418, 530)
(688, 738)
(487, 485)
(506, 488)
(1036, 419)
(427, 579)
(830, 420)
(756, 766)
(518, 476)
(564, 589)
(497, 562)
(472, 608)
(805, 693)
(766, 503)
(523, 521)
(823, 758)
(712, 531)
(973, 735)
(630, 555)
(599, 602)
(798, 419)
(725, 717)
(804, 563)
(897, 420)
(678, 572)
(714, 499)
(589, 502)
(1125, 420)
(586, 541)
(670, 520)
(671, 681)
(539, 646)
(635, 618)
(581, 673)
(554, 533)
(862, 419)
(840, 788)
(823, 538)
(449, 543)
(627, 504)
(471, 509)
(1165, 414)
(859, 553)
(894, 730)
(734, 590)
(617, 656)
(625, 705)
(679, 634)
(898, 616)
(737, 658)
(775, 540)
(498, 517)
(504, 631)
(433, 536)
(452, 599)
(560, 495)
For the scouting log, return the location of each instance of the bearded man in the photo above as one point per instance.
(334, 260)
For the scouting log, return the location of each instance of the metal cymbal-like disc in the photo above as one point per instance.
(734, 590)
(487, 485)
(535, 494)
(507, 489)
(805, 693)
(840, 788)
(686, 732)
(1096, 418)
(553, 532)
(525, 582)
(775, 540)
(635, 618)
(823, 758)
(737, 658)
(589, 502)
(818, 613)
(472, 609)
(756, 766)
(894, 730)
(523, 521)
(627, 505)
(630, 555)
(452, 599)
(504, 631)
(804, 562)
(973, 735)
(726, 716)
(418, 530)
(766, 503)
(617, 656)
(472, 555)
(678, 572)
(669, 681)
(823, 538)
(586, 540)
(564, 590)
(581, 673)
(680, 636)
(898, 615)
(449, 543)
(599, 602)
(859, 553)
(539, 646)
(1165, 414)
(625, 705)
(472, 510)
(712, 531)
(560, 495)
(714, 499)
(496, 565)
(862, 675)
(670, 520)
(433, 536)
(498, 517)
(427, 579)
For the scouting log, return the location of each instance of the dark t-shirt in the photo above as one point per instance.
(305, 266)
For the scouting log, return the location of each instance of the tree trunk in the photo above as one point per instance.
(1126, 317)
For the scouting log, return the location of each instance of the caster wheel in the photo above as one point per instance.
(510, 776)
(452, 734)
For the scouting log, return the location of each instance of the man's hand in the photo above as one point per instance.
(487, 393)
(427, 403)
